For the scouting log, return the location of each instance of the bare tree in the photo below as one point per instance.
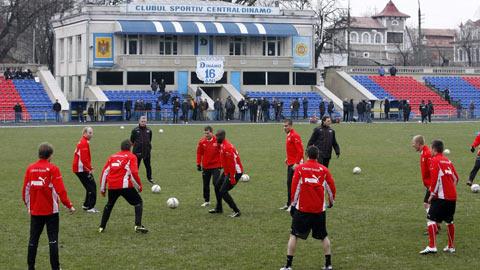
(466, 40)
(18, 17)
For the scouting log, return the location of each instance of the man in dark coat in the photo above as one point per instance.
(430, 110)
(128, 110)
(175, 109)
(330, 109)
(345, 110)
(386, 108)
(351, 110)
(322, 109)
(305, 108)
(423, 111)
(162, 86)
(323, 138)
(406, 111)
(57, 108)
(154, 86)
(18, 112)
(141, 137)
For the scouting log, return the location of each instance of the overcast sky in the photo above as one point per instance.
(438, 13)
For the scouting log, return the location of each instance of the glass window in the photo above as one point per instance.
(70, 49)
(254, 78)
(133, 44)
(238, 46)
(271, 46)
(79, 48)
(168, 45)
(109, 78)
(61, 49)
(394, 37)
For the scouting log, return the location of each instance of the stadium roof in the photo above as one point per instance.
(391, 10)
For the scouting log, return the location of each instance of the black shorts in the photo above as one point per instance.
(441, 210)
(427, 196)
(303, 223)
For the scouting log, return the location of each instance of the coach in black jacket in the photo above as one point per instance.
(323, 137)
(141, 138)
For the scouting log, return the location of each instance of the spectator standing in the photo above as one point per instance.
(217, 106)
(406, 111)
(185, 109)
(57, 108)
(18, 112)
(175, 109)
(386, 108)
(368, 112)
(381, 71)
(91, 113)
(80, 113)
(393, 71)
(400, 110)
(330, 109)
(423, 111)
(158, 110)
(447, 95)
(162, 86)
(430, 110)
(102, 112)
(305, 107)
(154, 86)
(350, 110)
(471, 108)
(128, 110)
(345, 110)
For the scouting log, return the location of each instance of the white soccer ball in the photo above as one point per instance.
(122, 127)
(357, 170)
(446, 151)
(156, 189)
(245, 178)
(172, 202)
(475, 188)
(160, 130)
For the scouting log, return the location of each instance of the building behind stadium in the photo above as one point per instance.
(217, 45)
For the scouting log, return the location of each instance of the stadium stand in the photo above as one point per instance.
(146, 96)
(8, 98)
(463, 89)
(35, 98)
(405, 88)
(314, 100)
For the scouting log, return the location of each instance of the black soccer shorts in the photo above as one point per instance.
(303, 223)
(441, 210)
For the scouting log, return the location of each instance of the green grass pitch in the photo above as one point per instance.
(377, 222)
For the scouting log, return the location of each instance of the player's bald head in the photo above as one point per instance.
(88, 132)
(418, 139)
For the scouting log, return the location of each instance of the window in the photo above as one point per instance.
(366, 55)
(353, 37)
(254, 78)
(394, 22)
(70, 84)
(305, 78)
(133, 44)
(238, 46)
(61, 50)
(109, 78)
(62, 84)
(70, 49)
(139, 78)
(79, 48)
(366, 38)
(168, 45)
(271, 46)
(278, 78)
(79, 87)
(378, 38)
(394, 37)
(167, 76)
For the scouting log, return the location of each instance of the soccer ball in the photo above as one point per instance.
(357, 170)
(122, 127)
(446, 151)
(156, 189)
(160, 130)
(475, 188)
(245, 178)
(172, 203)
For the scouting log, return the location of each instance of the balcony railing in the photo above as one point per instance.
(189, 61)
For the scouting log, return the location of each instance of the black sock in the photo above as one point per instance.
(328, 260)
(289, 261)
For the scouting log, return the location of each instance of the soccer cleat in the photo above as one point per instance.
(141, 229)
(469, 182)
(286, 268)
(235, 214)
(327, 267)
(100, 230)
(428, 250)
(285, 207)
(92, 210)
(215, 211)
(289, 208)
(151, 181)
(84, 207)
(205, 204)
(449, 249)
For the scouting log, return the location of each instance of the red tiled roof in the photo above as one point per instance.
(439, 32)
(391, 10)
(365, 22)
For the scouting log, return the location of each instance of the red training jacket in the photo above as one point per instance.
(476, 143)
(425, 157)
(230, 160)
(121, 171)
(294, 148)
(42, 187)
(208, 153)
(82, 162)
(309, 183)
(444, 178)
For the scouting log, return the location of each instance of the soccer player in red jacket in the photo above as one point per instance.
(208, 162)
(443, 197)
(232, 172)
(476, 167)
(42, 187)
(120, 177)
(311, 181)
(294, 147)
(82, 167)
